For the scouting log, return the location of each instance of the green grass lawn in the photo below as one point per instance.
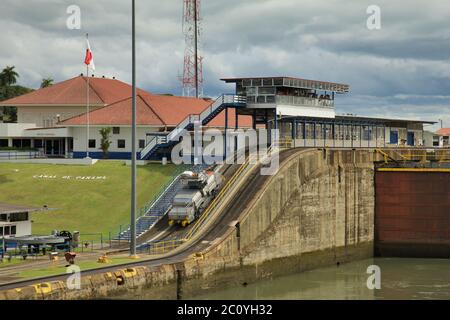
(97, 206)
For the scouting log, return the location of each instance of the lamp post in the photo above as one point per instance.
(133, 136)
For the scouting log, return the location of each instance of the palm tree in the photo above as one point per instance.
(46, 82)
(9, 76)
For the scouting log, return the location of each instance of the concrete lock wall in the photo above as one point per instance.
(317, 210)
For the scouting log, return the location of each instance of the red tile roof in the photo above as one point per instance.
(443, 132)
(114, 97)
(155, 110)
(73, 92)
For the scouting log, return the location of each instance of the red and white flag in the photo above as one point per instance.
(89, 60)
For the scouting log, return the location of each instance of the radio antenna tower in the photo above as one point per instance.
(192, 79)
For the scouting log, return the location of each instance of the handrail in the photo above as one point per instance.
(162, 246)
(416, 155)
(191, 118)
(217, 199)
(146, 208)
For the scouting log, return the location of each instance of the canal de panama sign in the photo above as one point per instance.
(78, 178)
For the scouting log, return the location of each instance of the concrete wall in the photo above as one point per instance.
(317, 210)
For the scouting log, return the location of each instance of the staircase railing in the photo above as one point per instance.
(191, 119)
(160, 193)
(153, 143)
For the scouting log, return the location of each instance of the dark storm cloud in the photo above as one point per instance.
(401, 69)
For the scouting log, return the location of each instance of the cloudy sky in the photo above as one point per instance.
(402, 70)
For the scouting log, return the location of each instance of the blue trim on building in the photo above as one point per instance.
(111, 155)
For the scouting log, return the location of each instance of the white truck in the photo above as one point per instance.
(197, 192)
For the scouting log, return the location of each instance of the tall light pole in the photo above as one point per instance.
(133, 136)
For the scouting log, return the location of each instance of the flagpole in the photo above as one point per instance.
(87, 107)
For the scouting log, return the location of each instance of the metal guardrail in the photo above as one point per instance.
(168, 245)
(160, 193)
(213, 205)
(423, 155)
(191, 119)
(20, 155)
(305, 101)
(162, 247)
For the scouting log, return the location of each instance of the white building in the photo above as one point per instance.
(54, 120)
(15, 221)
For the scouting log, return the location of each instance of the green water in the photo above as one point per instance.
(400, 279)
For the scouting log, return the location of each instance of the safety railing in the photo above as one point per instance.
(222, 100)
(156, 198)
(20, 155)
(153, 143)
(161, 247)
(162, 190)
(191, 119)
(213, 205)
(304, 101)
(423, 155)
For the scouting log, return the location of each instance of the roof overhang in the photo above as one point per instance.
(9, 208)
(340, 119)
(283, 81)
(48, 105)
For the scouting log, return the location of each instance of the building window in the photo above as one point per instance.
(7, 230)
(38, 143)
(13, 230)
(393, 139)
(3, 217)
(1, 231)
(26, 143)
(266, 90)
(141, 144)
(252, 91)
(261, 99)
(435, 141)
(3, 143)
(17, 143)
(92, 143)
(116, 130)
(18, 216)
(121, 144)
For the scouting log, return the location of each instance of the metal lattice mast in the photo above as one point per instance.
(192, 79)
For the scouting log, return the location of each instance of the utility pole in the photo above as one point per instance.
(133, 136)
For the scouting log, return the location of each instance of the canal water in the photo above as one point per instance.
(401, 278)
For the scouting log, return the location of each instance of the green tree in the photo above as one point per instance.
(47, 82)
(8, 90)
(105, 143)
(8, 76)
